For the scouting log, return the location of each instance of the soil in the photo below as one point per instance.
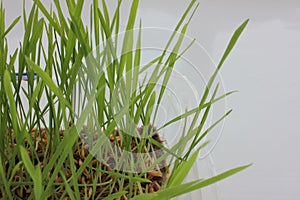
(95, 172)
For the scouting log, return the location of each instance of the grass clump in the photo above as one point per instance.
(65, 135)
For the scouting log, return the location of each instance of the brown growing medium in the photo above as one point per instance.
(91, 174)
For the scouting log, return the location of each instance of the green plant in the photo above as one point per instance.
(82, 86)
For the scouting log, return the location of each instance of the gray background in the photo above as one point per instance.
(264, 67)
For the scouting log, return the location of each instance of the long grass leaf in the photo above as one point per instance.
(11, 26)
(48, 81)
(12, 104)
(232, 42)
(183, 169)
(128, 39)
(189, 187)
(58, 158)
(5, 181)
(202, 122)
(194, 110)
(115, 195)
(48, 16)
(212, 126)
(35, 173)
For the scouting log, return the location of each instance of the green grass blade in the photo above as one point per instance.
(126, 55)
(151, 63)
(115, 195)
(189, 187)
(62, 19)
(232, 42)
(161, 146)
(182, 170)
(35, 173)
(70, 192)
(202, 122)
(78, 29)
(11, 26)
(58, 158)
(212, 126)
(37, 33)
(4, 180)
(169, 67)
(194, 110)
(12, 104)
(49, 17)
(179, 24)
(75, 178)
(14, 171)
(108, 33)
(125, 176)
(78, 10)
(96, 23)
(49, 82)
(115, 25)
(105, 11)
(149, 108)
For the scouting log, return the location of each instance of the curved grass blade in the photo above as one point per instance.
(49, 82)
(34, 172)
(232, 42)
(189, 187)
(194, 110)
(182, 170)
(11, 26)
(4, 181)
(49, 17)
(12, 105)
(230, 46)
(115, 195)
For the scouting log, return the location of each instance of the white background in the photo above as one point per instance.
(264, 67)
